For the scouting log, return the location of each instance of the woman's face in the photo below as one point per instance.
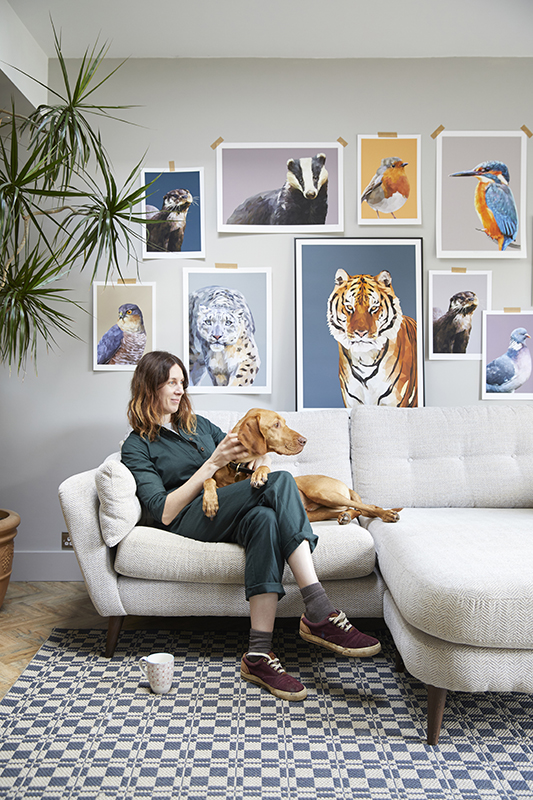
(170, 393)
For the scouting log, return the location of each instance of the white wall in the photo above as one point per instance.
(67, 418)
(20, 51)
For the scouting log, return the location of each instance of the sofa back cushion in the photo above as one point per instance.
(327, 451)
(475, 456)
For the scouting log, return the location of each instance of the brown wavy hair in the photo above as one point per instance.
(144, 413)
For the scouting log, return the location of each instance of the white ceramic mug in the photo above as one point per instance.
(159, 669)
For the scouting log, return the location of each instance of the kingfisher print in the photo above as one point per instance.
(494, 201)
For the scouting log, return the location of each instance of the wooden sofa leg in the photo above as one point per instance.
(436, 703)
(399, 666)
(114, 626)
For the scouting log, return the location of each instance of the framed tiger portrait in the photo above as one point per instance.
(359, 329)
(227, 330)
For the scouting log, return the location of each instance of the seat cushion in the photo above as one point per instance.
(343, 552)
(464, 575)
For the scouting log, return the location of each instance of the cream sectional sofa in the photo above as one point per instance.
(455, 575)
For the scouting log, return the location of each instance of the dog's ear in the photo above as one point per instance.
(250, 436)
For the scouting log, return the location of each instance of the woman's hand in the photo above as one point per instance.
(229, 449)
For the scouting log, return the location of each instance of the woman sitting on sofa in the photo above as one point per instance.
(171, 452)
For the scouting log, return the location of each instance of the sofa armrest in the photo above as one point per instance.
(80, 504)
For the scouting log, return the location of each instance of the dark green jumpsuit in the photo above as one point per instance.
(269, 522)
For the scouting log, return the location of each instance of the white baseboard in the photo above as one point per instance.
(39, 565)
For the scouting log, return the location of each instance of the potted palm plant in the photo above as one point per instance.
(9, 521)
(60, 209)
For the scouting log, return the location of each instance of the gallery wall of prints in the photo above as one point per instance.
(276, 188)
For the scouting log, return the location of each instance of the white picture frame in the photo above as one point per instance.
(459, 231)
(108, 300)
(497, 329)
(372, 149)
(252, 170)
(163, 181)
(242, 293)
(443, 288)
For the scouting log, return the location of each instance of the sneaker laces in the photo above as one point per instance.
(341, 621)
(274, 663)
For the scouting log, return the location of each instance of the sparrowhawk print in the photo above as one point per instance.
(125, 341)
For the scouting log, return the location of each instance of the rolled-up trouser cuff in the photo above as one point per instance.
(265, 588)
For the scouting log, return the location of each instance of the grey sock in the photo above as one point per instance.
(259, 642)
(318, 606)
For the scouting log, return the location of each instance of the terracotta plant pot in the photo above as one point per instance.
(9, 522)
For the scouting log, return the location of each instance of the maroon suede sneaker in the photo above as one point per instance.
(269, 673)
(338, 634)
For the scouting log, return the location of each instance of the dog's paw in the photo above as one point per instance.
(344, 518)
(210, 507)
(391, 515)
(259, 477)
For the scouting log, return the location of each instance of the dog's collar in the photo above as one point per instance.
(240, 467)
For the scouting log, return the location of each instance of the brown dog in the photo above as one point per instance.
(262, 431)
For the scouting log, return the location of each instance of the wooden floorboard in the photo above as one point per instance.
(31, 610)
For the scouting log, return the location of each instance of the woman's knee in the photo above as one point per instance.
(283, 486)
(282, 477)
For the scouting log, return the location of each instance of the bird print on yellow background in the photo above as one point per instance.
(389, 188)
(125, 341)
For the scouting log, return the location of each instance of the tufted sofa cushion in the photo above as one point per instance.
(476, 456)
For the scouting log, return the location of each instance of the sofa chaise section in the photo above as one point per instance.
(459, 565)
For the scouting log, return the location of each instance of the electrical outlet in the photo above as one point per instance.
(66, 542)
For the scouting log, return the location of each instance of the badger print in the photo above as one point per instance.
(302, 200)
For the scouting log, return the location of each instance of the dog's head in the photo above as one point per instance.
(263, 431)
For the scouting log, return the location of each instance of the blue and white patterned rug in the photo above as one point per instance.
(77, 725)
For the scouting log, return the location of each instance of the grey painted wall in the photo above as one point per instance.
(67, 418)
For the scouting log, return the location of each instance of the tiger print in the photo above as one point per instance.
(221, 338)
(377, 343)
